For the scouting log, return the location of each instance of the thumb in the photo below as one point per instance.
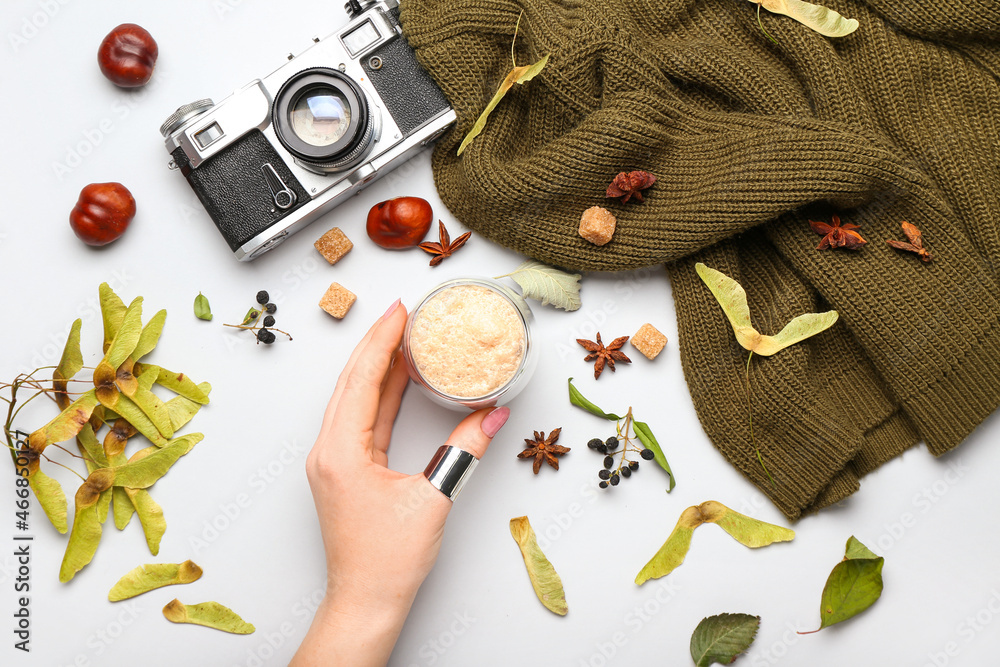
(474, 433)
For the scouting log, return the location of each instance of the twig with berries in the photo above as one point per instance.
(610, 474)
(628, 430)
(259, 320)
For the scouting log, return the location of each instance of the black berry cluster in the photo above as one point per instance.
(612, 474)
(261, 327)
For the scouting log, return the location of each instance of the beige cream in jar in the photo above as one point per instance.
(468, 341)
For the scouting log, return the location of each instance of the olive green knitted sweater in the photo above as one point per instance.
(749, 140)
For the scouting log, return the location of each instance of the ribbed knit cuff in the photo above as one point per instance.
(884, 442)
(948, 410)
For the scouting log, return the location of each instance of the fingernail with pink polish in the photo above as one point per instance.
(494, 421)
(392, 308)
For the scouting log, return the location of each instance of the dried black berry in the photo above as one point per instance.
(268, 321)
(252, 315)
(594, 443)
(647, 454)
(263, 297)
(612, 443)
(615, 479)
(603, 485)
(634, 465)
(604, 474)
(271, 308)
(608, 461)
(626, 472)
(602, 448)
(270, 338)
(263, 334)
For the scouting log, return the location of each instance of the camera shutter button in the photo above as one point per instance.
(283, 196)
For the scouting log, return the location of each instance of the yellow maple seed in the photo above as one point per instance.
(745, 530)
(733, 299)
(86, 533)
(544, 578)
(208, 614)
(149, 577)
(69, 365)
(823, 20)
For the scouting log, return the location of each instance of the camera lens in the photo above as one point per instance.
(322, 117)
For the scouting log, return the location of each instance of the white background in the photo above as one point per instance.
(65, 126)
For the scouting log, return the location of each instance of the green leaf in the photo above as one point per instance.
(202, 310)
(143, 473)
(547, 284)
(51, 497)
(646, 437)
(577, 399)
(521, 74)
(127, 337)
(733, 299)
(112, 312)
(854, 585)
(821, 19)
(857, 550)
(544, 578)
(722, 638)
(150, 335)
(149, 577)
(208, 614)
(252, 315)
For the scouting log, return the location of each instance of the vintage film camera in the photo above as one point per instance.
(285, 149)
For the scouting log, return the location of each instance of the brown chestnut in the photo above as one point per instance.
(399, 223)
(127, 56)
(102, 213)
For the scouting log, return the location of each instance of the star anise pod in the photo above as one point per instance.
(916, 243)
(630, 184)
(543, 449)
(604, 355)
(837, 235)
(446, 247)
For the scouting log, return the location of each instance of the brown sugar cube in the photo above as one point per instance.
(333, 245)
(597, 225)
(648, 340)
(337, 300)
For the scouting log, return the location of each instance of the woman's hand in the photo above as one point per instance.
(381, 529)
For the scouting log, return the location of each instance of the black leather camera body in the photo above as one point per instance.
(286, 149)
